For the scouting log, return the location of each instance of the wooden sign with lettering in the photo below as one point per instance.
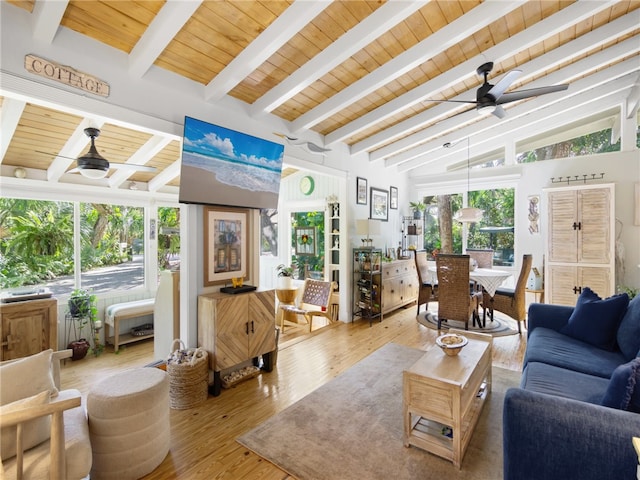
(67, 75)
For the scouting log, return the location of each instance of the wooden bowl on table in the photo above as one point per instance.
(451, 343)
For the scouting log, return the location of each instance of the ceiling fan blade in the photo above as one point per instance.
(499, 112)
(505, 82)
(54, 155)
(132, 166)
(532, 92)
(73, 170)
(451, 101)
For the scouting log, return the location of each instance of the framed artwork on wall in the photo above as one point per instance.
(379, 204)
(226, 240)
(361, 191)
(393, 198)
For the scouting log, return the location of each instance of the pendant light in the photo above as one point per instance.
(467, 214)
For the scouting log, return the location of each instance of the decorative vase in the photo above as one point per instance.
(285, 283)
(80, 349)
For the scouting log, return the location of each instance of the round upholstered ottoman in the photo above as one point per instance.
(129, 423)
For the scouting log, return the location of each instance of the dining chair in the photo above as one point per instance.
(315, 301)
(483, 256)
(510, 301)
(455, 300)
(427, 288)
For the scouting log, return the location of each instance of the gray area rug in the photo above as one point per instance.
(500, 326)
(351, 428)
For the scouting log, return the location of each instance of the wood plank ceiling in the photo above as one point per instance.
(360, 72)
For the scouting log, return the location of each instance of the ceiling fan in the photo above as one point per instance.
(93, 165)
(489, 97)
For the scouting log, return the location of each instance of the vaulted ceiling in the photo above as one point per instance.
(370, 74)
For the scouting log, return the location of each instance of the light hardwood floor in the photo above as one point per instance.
(203, 442)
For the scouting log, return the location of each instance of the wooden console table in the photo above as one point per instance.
(443, 397)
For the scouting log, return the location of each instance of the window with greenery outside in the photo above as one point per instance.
(315, 263)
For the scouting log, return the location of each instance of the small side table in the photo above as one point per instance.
(286, 296)
(538, 294)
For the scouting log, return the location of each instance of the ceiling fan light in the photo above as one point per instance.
(468, 215)
(486, 109)
(94, 173)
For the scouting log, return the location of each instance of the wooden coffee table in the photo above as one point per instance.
(443, 397)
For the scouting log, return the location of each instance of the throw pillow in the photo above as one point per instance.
(34, 431)
(26, 377)
(623, 391)
(594, 320)
(629, 331)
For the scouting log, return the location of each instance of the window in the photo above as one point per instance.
(309, 264)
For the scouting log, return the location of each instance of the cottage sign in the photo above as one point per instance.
(67, 75)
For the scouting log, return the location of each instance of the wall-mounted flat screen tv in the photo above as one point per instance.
(225, 167)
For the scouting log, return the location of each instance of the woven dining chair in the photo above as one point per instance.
(315, 302)
(510, 301)
(483, 256)
(455, 301)
(427, 288)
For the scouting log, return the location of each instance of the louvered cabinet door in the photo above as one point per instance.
(562, 241)
(598, 279)
(566, 282)
(594, 214)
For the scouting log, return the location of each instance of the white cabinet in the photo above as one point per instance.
(580, 245)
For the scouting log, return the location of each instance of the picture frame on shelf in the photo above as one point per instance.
(379, 209)
(391, 253)
(393, 198)
(361, 191)
(226, 244)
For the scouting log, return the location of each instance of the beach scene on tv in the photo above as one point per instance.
(225, 167)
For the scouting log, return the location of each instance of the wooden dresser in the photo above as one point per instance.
(236, 328)
(399, 284)
(28, 327)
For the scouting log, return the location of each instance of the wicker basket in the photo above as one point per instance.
(188, 380)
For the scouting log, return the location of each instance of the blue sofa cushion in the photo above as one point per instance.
(623, 391)
(542, 378)
(628, 336)
(595, 320)
(549, 346)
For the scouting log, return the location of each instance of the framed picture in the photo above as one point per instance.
(379, 204)
(393, 198)
(226, 240)
(305, 240)
(361, 191)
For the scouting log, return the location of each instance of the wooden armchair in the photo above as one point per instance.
(428, 289)
(511, 301)
(315, 302)
(455, 301)
(65, 452)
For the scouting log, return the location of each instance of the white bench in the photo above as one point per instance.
(123, 311)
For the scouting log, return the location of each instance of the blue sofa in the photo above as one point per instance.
(556, 425)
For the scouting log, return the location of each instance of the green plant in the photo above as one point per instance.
(285, 271)
(417, 206)
(632, 292)
(83, 307)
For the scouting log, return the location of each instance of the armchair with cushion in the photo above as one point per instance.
(45, 433)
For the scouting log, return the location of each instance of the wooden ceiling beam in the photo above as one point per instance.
(480, 17)
(164, 27)
(568, 51)
(46, 19)
(551, 26)
(164, 177)
(142, 156)
(385, 17)
(11, 112)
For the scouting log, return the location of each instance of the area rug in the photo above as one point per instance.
(351, 428)
(500, 326)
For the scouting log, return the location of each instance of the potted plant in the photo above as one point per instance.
(285, 274)
(418, 209)
(83, 309)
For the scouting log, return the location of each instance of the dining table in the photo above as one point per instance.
(488, 278)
